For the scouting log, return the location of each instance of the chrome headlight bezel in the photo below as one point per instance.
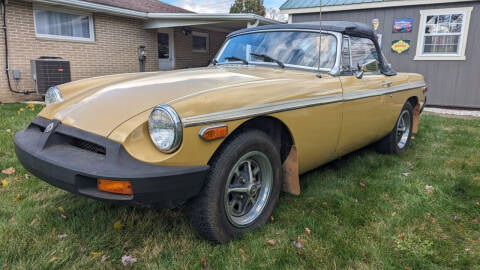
(174, 122)
(52, 96)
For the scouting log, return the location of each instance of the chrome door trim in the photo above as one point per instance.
(275, 107)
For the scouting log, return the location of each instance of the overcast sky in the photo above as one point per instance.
(218, 6)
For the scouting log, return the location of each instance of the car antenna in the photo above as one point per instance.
(319, 75)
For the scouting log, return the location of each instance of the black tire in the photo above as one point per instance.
(207, 211)
(390, 144)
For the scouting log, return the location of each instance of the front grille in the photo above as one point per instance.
(88, 146)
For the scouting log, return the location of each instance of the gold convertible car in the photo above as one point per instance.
(228, 138)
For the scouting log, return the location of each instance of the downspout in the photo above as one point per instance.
(7, 68)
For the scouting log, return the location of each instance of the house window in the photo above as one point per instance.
(443, 34)
(63, 25)
(200, 42)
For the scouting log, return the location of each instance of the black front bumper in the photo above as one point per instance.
(73, 160)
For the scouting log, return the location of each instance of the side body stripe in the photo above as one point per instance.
(263, 109)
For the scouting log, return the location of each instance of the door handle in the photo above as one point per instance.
(387, 84)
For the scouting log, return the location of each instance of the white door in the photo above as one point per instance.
(166, 54)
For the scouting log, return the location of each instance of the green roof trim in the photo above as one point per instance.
(292, 4)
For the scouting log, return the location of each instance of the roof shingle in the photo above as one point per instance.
(150, 6)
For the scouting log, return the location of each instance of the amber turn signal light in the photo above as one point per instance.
(212, 133)
(117, 187)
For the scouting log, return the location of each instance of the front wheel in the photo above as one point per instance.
(241, 189)
(398, 140)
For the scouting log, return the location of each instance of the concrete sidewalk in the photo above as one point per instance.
(453, 112)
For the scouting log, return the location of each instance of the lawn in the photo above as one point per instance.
(418, 210)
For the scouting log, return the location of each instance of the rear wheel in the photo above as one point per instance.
(399, 139)
(241, 189)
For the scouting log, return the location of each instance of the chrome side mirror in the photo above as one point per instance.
(370, 66)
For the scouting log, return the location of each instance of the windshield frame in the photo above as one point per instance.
(334, 70)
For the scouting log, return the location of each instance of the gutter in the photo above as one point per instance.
(212, 16)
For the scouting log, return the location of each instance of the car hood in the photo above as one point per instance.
(99, 105)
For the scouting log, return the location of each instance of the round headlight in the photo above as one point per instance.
(52, 96)
(165, 129)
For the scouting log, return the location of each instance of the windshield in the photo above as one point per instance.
(293, 49)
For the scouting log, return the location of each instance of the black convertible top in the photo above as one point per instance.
(348, 28)
(355, 29)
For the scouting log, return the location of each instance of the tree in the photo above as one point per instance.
(248, 6)
(274, 14)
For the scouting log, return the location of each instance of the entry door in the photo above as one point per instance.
(166, 55)
(364, 108)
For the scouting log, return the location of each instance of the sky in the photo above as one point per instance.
(222, 6)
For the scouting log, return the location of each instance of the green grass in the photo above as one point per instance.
(389, 223)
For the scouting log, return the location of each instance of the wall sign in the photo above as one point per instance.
(376, 24)
(404, 25)
(401, 46)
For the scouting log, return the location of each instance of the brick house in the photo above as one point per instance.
(102, 37)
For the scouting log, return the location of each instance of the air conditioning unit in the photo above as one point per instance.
(50, 71)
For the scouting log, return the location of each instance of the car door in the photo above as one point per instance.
(364, 106)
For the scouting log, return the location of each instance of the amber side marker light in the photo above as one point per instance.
(117, 187)
(212, 133)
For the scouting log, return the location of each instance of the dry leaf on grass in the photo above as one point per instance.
(204, 263)
(9, 171)
(128, 260)
(449, 162)
(118, 225)
(307, 230)
(96, 254)
(63, 216)
(402, 235)
(271, 242)
(18, 197)
(429, 189)
(394, 214)
(363, 184)
(297, 244)
(34, 222)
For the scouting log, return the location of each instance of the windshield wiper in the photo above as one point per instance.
(234, 58)
(269, 59)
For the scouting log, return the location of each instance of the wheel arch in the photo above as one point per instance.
(284, 141)
(413, 100)
(272, 126)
